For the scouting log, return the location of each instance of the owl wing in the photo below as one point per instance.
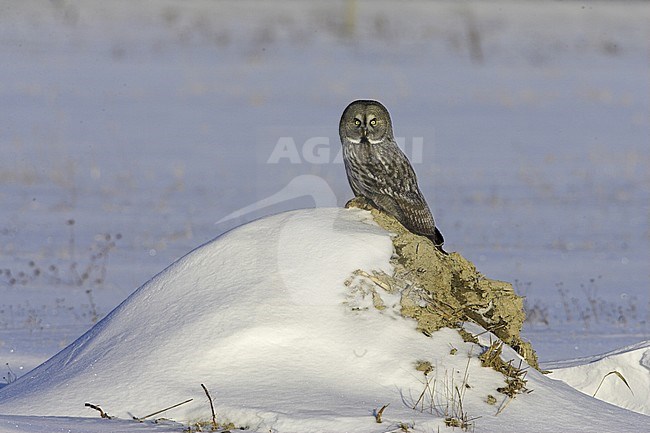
(384, 175)
(410, 209)
(402, 198)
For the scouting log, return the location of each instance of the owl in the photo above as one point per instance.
(380, 172)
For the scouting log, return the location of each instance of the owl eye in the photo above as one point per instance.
(373, 122)
(357, 122)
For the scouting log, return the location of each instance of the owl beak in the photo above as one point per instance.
(364, 132)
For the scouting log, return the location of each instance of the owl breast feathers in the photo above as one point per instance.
(380, 172)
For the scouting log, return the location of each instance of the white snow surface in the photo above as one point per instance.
(632, 362)
(262, 316)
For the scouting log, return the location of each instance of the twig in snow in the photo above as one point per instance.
(162, 410)
(99, 409)
(214, 417)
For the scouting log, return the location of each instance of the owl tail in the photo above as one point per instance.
(438, 240)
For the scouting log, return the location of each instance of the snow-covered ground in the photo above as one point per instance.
(619, 377)
(269, 318)
(129, 129)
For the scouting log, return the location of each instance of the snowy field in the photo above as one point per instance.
(129, 130)
(289, 341)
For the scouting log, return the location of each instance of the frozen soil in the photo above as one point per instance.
(442, 291)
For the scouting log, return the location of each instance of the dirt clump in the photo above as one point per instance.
(441, 290)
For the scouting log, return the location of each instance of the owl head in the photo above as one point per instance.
(365, 121)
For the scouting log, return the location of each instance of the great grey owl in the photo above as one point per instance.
(380, 172)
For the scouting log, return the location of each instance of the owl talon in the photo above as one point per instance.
(359, 203)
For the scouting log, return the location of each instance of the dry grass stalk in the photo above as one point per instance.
(448, 403)
(620, 376)
(378, 414)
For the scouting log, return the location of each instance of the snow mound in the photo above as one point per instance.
(587, 374)
(273, 319)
